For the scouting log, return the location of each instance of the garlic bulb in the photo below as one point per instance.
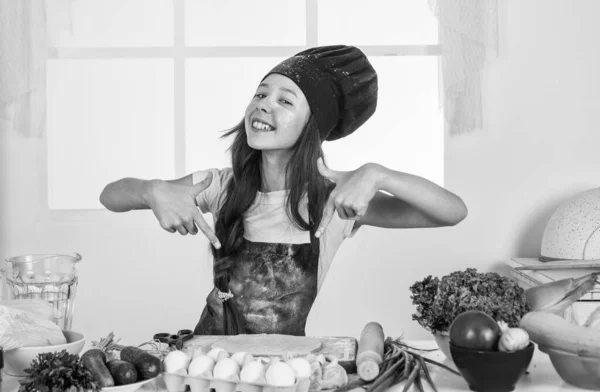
(334, 376)
(512, 339)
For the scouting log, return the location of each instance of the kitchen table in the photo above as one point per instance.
(541, 377)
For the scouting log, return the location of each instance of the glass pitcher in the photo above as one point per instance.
(49, 277)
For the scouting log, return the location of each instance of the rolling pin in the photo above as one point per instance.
(370, 351)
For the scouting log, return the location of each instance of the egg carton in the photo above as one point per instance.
(176, 382)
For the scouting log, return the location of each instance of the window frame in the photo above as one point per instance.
(179, 52)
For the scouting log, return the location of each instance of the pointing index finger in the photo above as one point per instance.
(205, 228)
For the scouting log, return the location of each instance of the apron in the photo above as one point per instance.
(274, 286)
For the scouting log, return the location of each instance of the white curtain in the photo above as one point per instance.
(22, 66)
(468, 34)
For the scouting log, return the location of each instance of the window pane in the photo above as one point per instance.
(217, 93)
(245, 23)
(406, 131)
(106, 23)
(107, 119)
(381, 22)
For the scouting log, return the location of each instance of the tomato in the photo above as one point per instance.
(475, 330)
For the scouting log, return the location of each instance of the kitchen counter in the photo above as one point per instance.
(541, 378)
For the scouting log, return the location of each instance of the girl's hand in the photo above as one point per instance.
(176, 208)
(351, 196)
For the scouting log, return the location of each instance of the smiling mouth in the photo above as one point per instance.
(262, 126)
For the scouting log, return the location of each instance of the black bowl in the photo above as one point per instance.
(491, 371)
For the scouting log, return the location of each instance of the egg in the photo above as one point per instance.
(222, 355)
(253, 372)
(201, 366)
(226, 369)
(176, 360)
(247, 359)
(300, 366)
(198, 351)
(239, 357)
(280, 374)
(266, 360)
(214, 353)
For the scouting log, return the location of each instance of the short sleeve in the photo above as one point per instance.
(211, 199)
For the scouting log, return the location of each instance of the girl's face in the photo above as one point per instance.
(276, 115)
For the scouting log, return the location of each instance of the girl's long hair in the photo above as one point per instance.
(302, 176)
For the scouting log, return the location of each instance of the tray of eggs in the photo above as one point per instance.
(240, 371)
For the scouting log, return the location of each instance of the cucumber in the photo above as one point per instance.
(551, 330)
(95, 361)
(122, 371)
(146, 364)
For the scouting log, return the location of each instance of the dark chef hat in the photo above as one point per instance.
(339, 83)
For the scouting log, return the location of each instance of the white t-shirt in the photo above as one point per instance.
(267, 220)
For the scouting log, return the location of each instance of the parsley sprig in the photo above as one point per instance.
(57, 371)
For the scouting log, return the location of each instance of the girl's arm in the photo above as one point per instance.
(173, 202)
(377, 196)
(412, 201)
(129, 193)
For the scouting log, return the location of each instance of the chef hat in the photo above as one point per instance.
(339, 83)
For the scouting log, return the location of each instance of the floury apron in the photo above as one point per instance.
(274, 286)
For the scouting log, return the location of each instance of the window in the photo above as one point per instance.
(144, 88)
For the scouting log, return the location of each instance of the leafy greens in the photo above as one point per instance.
(439, 301)
(57, 371)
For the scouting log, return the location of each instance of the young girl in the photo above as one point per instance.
(280, 214)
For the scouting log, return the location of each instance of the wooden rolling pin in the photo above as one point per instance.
(370, 351)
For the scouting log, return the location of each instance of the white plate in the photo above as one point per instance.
(129, 387)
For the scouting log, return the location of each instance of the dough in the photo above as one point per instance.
(269, 344)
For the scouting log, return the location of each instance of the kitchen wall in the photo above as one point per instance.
(538, 148)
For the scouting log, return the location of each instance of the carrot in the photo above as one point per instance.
(399, 364)
(370, 351)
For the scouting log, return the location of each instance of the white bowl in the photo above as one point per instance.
(583, 372)
(443, 341)
(19, 359)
